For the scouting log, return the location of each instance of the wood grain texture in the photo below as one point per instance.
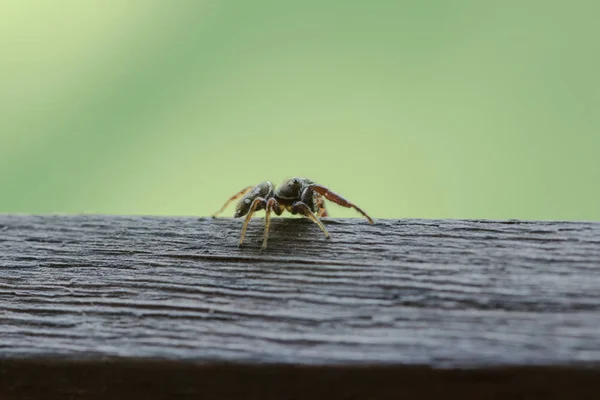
(434, 293)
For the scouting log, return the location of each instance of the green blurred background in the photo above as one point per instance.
(452, 109)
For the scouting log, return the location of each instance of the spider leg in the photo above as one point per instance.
(336, 198)
(320, 203)
(233, 198)
(259, 201)
(271, 206)
(278, 208)
(302, 208)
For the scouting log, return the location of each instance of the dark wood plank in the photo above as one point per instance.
(150, 379)
(444, 295)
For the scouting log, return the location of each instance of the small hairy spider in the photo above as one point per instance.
(296, 195)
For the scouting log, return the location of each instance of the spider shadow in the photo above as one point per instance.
(286, 233)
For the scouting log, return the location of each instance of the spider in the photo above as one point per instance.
(296, 195)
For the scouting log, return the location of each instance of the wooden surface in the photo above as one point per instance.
(402, 297)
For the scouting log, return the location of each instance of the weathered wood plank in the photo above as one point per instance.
(448, 293)
(433, 292)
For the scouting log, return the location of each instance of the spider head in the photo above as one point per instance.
(291, 189)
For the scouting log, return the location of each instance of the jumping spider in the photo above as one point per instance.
(296, 195)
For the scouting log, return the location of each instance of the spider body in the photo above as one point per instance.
(296, 195)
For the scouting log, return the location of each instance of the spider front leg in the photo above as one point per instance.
(272, 205)
(233, 198)
(336, 198)
(302, 208)
(259, 201)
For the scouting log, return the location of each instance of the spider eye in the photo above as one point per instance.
(247, 201)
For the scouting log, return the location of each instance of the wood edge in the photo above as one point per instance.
(162, 379)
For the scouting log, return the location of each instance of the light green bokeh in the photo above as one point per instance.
(439, 109)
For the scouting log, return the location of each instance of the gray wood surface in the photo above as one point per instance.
(439, 293)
